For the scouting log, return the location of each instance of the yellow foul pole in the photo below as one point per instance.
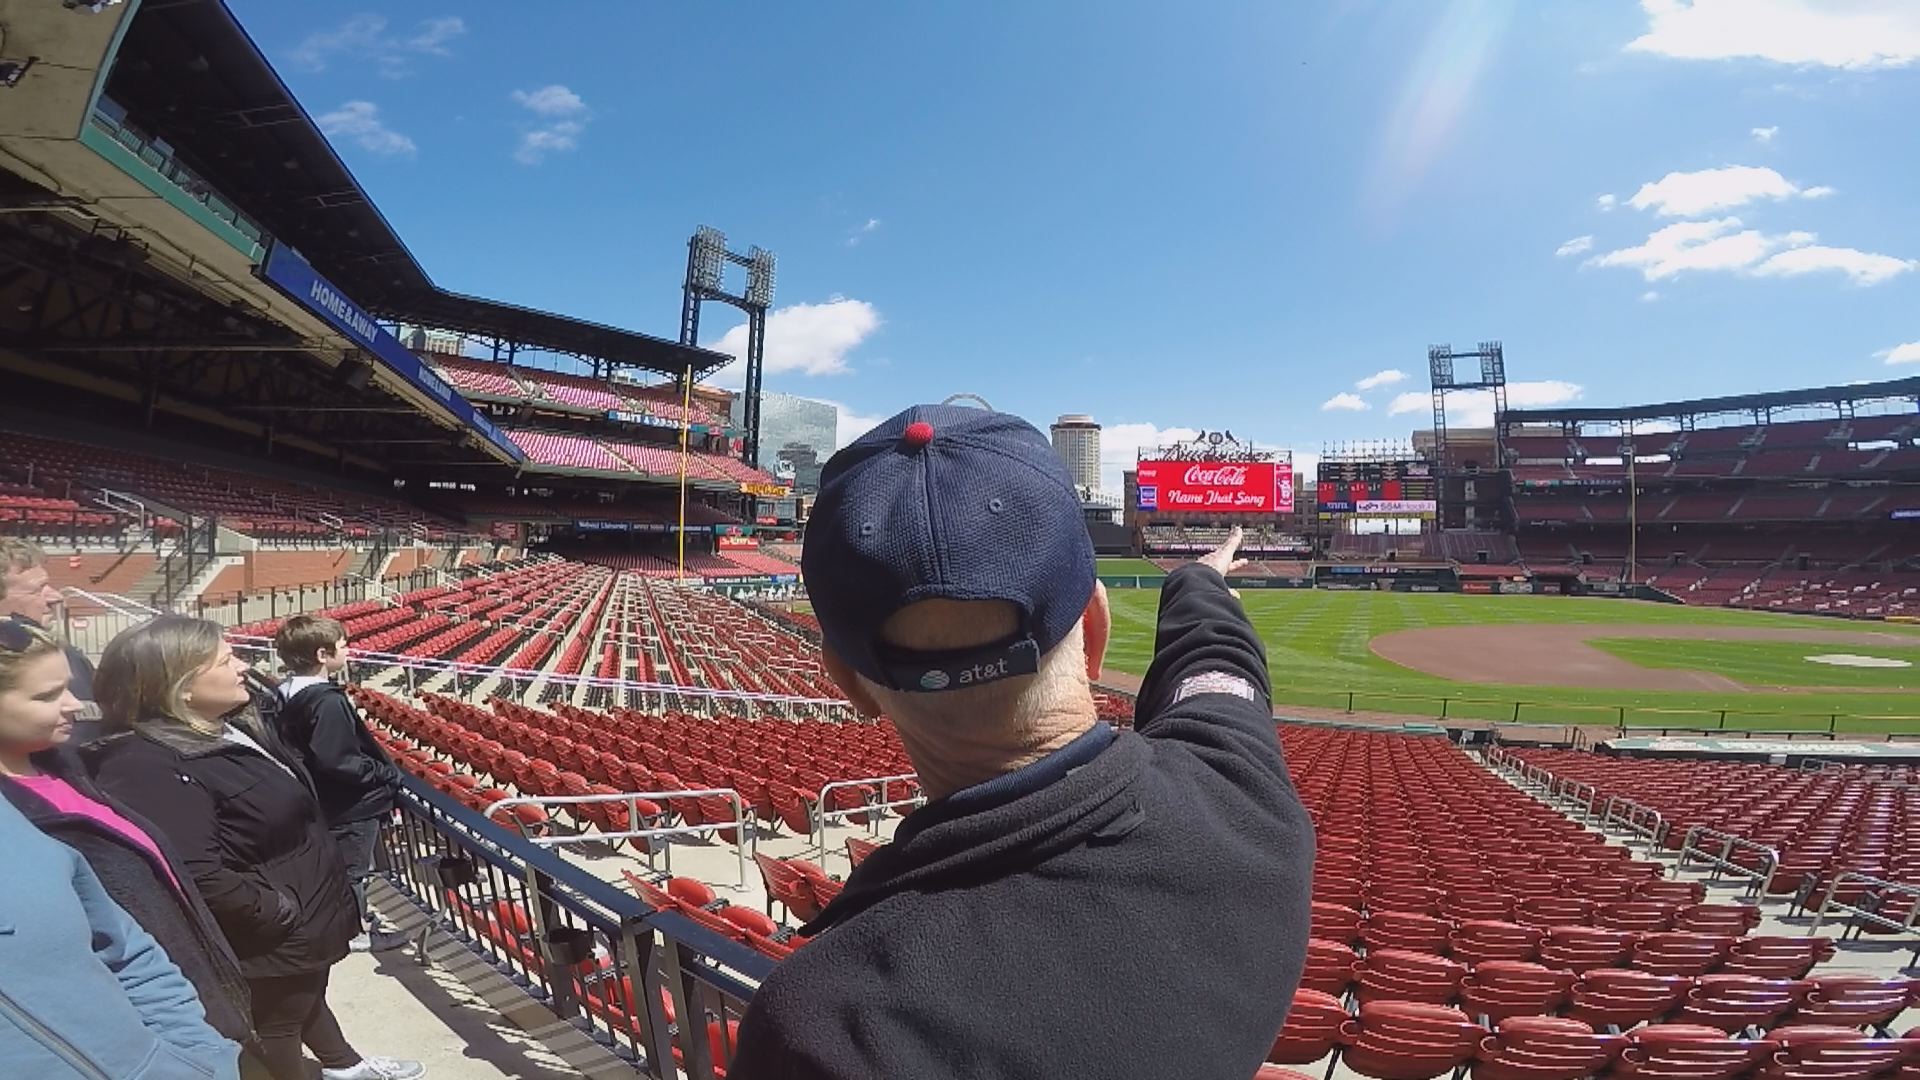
(686, 429)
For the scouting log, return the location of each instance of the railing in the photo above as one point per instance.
(745, 842)
(1758, 879)
(1576, 794)
(1618, 720)
(1633, 817)
(595, 955)
(1872, 900)
(822, 815)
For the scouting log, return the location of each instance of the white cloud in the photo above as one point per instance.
(1344, 403)
(871, 226)
(434, 34)
(1474, 408)
(1685, 194)
(1766, 134)
(1577, 246)
(562, 121)
(1381, 378)
(360, 121)
(1716, 245)
(1818, 191)
(535, 145)
(1901, 354)
(1855, 34)
(1649, 296)
(1606, 202)
(850, 424)
(1862, 267)
(365, 38)
(1691, 245)
(1120, 446)
(808, 339)
(554, 100)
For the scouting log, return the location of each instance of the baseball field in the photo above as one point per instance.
(1565, 660)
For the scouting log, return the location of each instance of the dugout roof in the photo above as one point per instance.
(189, 73)
(1742, 403)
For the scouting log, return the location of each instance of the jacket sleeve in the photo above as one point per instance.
(246, 907)
(335, 755)
(1208, 666)
(165, 1000)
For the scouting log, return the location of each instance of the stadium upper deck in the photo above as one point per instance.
(186, 255)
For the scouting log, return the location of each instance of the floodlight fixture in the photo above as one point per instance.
(709, 257)
(1440, 364)
(761, 274)
(1493, 363)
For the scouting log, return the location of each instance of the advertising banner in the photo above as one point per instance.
(1396, 506)
(1216, 487)
(285, 269)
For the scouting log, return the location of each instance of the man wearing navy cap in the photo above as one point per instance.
(1072, 902)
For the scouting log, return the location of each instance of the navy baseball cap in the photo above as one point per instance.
(953, 503)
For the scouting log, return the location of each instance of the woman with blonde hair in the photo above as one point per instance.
(186, 749)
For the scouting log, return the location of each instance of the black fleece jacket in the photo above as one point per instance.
(353, 775)
(1141, 914)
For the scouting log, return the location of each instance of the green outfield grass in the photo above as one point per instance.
(1128, 568)
(1771, 663)
(1317, 648)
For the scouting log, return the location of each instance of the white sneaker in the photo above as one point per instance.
(377, 1068)
(378, 941)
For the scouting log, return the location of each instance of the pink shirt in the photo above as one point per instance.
(68, 801)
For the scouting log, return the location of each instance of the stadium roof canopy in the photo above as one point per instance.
(189, 73)
(1740, 403)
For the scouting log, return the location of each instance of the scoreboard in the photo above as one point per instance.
(1381, 488)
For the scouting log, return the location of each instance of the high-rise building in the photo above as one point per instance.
(1076, 439)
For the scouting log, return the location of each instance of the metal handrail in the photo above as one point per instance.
(1879, 888)
(1638, 818)
(434, 666)
(744, 842)
(1690, 848)
(821, 813)
(1582, 795)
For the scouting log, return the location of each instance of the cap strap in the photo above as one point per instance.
(958, 669)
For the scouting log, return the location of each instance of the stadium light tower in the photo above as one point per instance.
(707, 259)
(1446, 380)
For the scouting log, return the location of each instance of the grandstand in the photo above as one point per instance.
(233, 390)
(1740, 501)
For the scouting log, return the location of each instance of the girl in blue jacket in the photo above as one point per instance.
(84, 992)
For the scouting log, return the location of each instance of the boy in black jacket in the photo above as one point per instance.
(1074, 901)
(352, 775)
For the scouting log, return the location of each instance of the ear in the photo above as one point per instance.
(1097, 626)
(849, 684)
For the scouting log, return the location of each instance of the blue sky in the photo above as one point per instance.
(1171, 216)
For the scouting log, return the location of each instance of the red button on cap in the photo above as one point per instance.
(918, 434)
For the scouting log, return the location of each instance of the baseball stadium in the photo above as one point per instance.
(1606, 718)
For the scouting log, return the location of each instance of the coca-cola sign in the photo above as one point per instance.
(1231, 487)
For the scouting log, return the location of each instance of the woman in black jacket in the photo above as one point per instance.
(186, 750)
(128, 854)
